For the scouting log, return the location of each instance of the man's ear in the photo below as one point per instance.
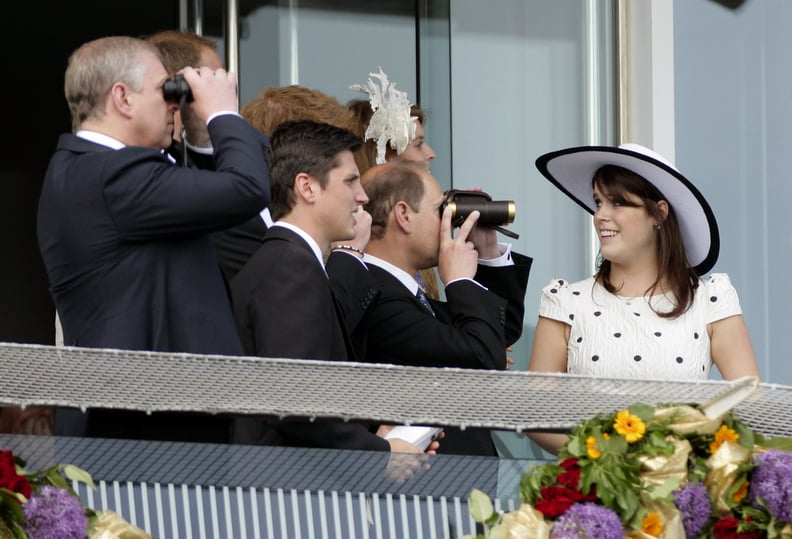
(305, 187)
(403, 215)
(119, 96)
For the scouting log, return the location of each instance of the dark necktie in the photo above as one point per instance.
(421, 295)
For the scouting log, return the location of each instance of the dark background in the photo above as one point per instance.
(38, 39)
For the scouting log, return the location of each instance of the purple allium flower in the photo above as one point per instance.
(772, 481)
(52, 512)
(695, 507)
(588, 521)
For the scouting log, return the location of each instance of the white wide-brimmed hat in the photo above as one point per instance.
(572, 170)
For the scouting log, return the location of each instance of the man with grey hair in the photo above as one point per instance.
(123, 232)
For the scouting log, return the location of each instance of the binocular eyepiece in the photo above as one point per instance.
(176, 89)
(493, 213)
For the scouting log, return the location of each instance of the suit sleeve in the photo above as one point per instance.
(148, 198)
(354, 287)
(510, 283)
(236, 245)
(333, 435)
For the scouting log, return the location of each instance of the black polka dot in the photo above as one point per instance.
(713, 299)
(595, 358)
(571, 316)
(597, 313)
(636, 358)
(554, 291)
(617, 334)
(679, 360)
(703, 368)
(576, 292)
(560, 282)
(580, 339)
(637, 314)
(657, 333)
(695, 335)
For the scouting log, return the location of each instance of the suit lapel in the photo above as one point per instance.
(290, 236)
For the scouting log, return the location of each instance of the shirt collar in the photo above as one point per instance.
(404, 278)
(304, 235)
(100, 138)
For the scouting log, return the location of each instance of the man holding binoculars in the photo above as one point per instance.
(123, 232)
(484, 281)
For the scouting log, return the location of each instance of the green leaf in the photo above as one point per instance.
(663, 492)
(779, 442)
(645, 412)
(78, 474)
(480, 506)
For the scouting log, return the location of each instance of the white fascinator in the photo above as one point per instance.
(391, 122)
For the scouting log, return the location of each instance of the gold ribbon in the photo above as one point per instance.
(673, 528)
(723, 466)
(685, 419)
(660, 470)
(525, 523)
(111, 525)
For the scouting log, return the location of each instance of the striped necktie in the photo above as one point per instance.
(421, 295)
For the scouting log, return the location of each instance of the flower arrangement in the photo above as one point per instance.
(42, 505)
(669, 472)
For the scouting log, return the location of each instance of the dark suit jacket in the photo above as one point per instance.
(186, 156)
(235, 245)
(285, 308)
(124, 238)
(471, 329)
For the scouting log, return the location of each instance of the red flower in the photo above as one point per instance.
(22, 486)
(7, 469)
(726, 528)
(556, 500)
(570, 477)
(8, 475)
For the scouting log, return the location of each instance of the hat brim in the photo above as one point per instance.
(572, 169)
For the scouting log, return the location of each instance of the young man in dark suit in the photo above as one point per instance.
(123, 232)
(283, 301)
(484, 285)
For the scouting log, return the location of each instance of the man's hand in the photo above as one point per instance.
(213, 90)
(485, 241)
(362, 230)
(457, 258)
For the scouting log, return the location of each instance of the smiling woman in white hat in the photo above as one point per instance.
(647, 313)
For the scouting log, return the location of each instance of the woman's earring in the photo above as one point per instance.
(658, 226)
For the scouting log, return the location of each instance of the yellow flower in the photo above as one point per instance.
(741, 492)
(724, 434)
(591, 448)
(652, 524)
(630, 426)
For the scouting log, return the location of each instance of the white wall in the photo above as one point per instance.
(733, 138)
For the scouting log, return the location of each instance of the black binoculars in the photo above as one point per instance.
(176, 89)
(493, 213)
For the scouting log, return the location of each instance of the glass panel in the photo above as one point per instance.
(502, 82)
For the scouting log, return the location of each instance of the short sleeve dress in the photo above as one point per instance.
(617, 337)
